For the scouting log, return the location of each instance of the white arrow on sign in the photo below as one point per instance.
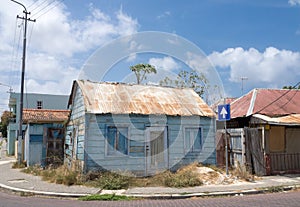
(223, 112)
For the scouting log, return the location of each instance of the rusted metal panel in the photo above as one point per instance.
(117, 98)
(270, 102)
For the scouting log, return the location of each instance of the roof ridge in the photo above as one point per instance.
(252, 102)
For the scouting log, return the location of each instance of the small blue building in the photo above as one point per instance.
(44, 136)
(142, 129)
(31, 101)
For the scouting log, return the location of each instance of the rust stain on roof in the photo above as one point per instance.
(270, 102)
(119, 98)
(45, 115)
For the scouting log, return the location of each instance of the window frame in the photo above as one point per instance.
(39, 104)
(115, 152)
(191, 148)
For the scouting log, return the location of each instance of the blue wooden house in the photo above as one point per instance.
(137, 128)
(44, 136)
(31, 101)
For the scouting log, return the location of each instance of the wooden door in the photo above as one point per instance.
(54, 150)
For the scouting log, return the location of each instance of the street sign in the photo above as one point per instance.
(224, 112)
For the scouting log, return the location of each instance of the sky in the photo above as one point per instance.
(250, 44)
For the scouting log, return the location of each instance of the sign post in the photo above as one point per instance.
(224, 115)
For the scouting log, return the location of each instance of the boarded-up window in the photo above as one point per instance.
(192, 139)
(277, 143)
(293, 140)
(117, 140)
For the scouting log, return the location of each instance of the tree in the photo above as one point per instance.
(6, 115)
(185, 79)
(140, 71)
(291, 87)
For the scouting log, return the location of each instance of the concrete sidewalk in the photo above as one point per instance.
(16, 181)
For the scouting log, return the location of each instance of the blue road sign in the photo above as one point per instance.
(224, 112)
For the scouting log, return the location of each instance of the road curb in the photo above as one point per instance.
(271, 189)
(216, 194)
(41, 193)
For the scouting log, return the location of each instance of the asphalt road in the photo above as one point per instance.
(290, 199)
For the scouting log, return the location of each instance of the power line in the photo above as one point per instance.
(17, 49)
(36, 3)
(288, 90)
(58, 2)
(42, 9)
(13, 50)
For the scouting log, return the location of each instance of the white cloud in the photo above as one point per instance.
(165, 63)
(55, 44)
(68, 36)
(131, 57)
(164, 15)
(272, 67)
(294, 2)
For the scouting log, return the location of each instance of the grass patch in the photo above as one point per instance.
(184, 177)
(60, 175)
(187, 176)
(109, 180)
(106, 197)
(275, 189)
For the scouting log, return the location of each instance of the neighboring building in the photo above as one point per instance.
(137, 128)
(270, 123)
(44, 136)
(30, 101)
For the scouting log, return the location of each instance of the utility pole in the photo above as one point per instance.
(20, 131)
(243, 79)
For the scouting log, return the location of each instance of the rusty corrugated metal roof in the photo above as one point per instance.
(45, 115)
(119, 98)
(290, 120)
(270, 102)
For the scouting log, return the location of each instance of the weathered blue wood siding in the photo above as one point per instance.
(75, 131)
(90, 145)
(135, 160)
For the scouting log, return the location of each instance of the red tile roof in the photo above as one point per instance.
(270, 102)
(45, 115)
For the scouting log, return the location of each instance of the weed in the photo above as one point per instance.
(34, 170)
(182, 179)
(19, 165)
(112, 181)
(275, 189)
(105, 197)
(242, 172)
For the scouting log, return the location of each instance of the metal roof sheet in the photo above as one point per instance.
(45, 115)
(119, 98)
(270, 102)
(292, 119)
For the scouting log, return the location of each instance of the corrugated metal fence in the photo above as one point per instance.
(284, 163)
